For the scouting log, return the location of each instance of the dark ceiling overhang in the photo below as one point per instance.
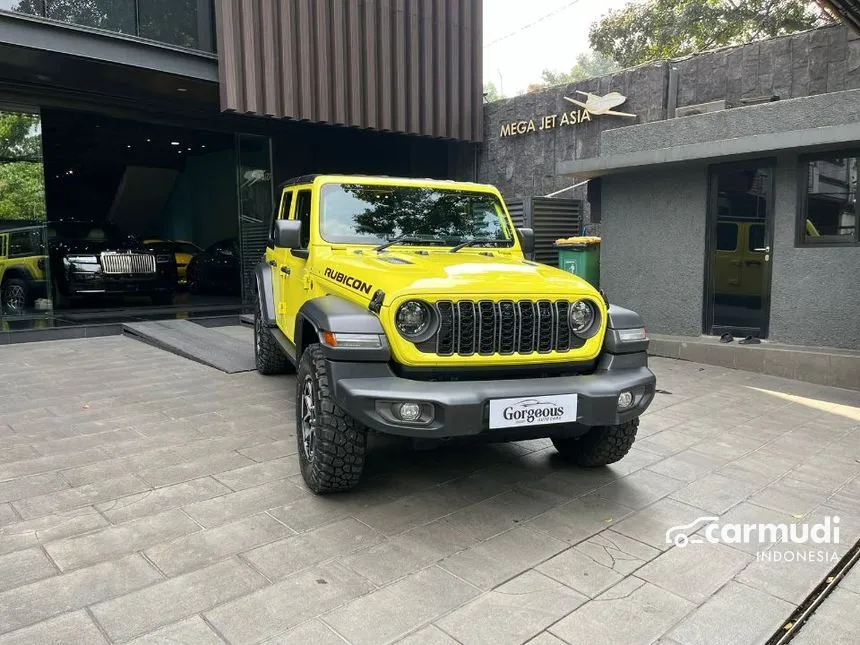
(847, 10)
(409, 66)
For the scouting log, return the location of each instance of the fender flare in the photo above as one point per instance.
(338, 315)
(266, 294)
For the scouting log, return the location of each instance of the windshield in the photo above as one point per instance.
(361, 214)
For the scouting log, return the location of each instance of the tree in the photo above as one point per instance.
(22, 186)
(491, 92)
(588, 65)
(656, 29)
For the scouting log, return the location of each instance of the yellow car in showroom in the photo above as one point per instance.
(408, 307)
(182, 250)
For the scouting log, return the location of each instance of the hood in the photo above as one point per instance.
(469, 272)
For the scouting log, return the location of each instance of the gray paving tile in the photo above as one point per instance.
(834, 622)
(22, 567)
(397, 609)
(157, 500)
(250, 501)
(40, 600)
(21, 487)
(257, 474)
(618, 552)
(286, 556)
(490, 563)
(407, 552)
(650, 524)
(50, 463)
(580, 572)
(189, 631)
(639, 489)
(695, 572)
(715, 493)
(312, 511)
(7, 515)
(545, 638)
(747, 513)
(755, 616)
(286, 604)
(667, 442)
(71, 498)
(687, 465)
(199, 467)
(635, 611)
(312, 632)
(68, 629)
(513, 612)
(114, 541)
(785, 576)
(206, 547)
(791, 496)
(580, 519)
(430, 635)
(272, 450)
(23, 534)
(143, 611)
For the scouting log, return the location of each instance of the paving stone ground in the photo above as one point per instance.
(145, 498)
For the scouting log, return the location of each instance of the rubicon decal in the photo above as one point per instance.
(539, 410)
(349, 281)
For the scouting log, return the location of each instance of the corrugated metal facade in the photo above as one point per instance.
(551, 219)
(411, 66)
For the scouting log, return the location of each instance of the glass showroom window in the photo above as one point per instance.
(828, 201)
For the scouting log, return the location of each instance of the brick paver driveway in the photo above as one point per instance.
(147, 498)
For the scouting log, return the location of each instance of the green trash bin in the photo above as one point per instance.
(580, 256)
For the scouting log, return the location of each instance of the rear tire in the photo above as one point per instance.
(15, 296)
(600, 446)
(268, 355)
(331, 443)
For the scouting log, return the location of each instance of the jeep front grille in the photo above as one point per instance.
(128, 263)
(484, 327)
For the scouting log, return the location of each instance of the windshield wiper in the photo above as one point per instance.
(478, 240)
(407, 239)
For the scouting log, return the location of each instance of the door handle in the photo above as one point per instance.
(763, 250)
(272, 263)
(286, 270)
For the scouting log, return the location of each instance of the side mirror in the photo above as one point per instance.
(527, 241)
(288, 233)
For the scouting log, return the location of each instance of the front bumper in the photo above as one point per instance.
(98, 283)
(461, 408)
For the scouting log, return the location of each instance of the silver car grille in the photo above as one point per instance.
(485, 327)
(128, 263)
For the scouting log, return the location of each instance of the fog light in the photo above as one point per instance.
(625, 400)
(407, 411)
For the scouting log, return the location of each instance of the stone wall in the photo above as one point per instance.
(813, 62)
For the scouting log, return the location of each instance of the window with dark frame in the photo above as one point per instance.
(828, 201)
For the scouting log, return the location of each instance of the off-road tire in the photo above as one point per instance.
(268, 355)
(600, 446)
(337, 460)
(16, 286)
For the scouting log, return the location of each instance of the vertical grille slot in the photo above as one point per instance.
(487, 340)
(445, 336)
(467, 327)
(546, 331)
(508, 327)
(528, 327)
(562, 340)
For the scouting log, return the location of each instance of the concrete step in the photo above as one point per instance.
(819, 365)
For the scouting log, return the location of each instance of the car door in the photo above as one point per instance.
(276, 257)
(294, 282)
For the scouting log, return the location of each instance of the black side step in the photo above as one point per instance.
(195, 342)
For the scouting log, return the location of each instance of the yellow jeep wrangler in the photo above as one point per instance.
(408, 307)
(22, 268)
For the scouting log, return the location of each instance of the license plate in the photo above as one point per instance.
(532, 411)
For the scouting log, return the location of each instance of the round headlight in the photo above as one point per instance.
(582, 317)
(415, 320)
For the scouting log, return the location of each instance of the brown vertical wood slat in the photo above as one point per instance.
(385, 56)
(465, 76)
(269, 21)
(322, 61)
(413, 67)
(402, 65)
(426, 67)
(454, 72)
(305, 59)
(440, 67)
(339, 63)
(370, 76)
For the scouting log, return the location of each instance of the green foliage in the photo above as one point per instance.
(588, 65)
(491, 92)
(657, 29)
(22, 184)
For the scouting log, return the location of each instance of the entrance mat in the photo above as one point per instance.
(198, 343)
